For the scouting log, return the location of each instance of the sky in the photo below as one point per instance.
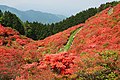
(63, 7)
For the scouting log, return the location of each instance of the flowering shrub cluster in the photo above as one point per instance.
(94, 52)
(100, 32)
(10, 62)
(8, 36)
(100, 65)
(11, 51)
(62, 63)
(50, 67)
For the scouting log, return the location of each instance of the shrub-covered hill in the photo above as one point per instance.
(88, 51)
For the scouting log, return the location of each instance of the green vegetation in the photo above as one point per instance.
(110, 11)
(67, 46)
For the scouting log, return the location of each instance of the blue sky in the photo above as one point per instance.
(64, 7)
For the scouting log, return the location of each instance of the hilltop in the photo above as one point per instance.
(87, 51)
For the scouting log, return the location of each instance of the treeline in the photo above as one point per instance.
(36, 30)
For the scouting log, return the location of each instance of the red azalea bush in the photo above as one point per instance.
(31, 72)
(2, 30)
(8, 35)
(51, 66)
(62, 63)
(23, 41)
(10, 63)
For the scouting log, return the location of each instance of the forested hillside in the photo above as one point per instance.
(87, 51)
(37, 31)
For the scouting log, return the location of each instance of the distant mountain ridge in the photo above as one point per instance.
(31, 15)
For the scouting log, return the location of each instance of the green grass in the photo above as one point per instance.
(71, 38)
(110, 11)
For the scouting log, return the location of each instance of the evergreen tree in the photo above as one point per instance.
(1, 14)
(11, 20)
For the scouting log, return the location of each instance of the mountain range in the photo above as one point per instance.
(32, 15)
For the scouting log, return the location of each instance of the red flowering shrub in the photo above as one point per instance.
(31, 56)
(8, 36)
(62, 63)
(2, 30)
(31, 72)
(99, 32)
(10, 63)
(22, 41)
(50, 67)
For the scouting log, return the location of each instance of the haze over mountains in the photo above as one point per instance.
(31, 15)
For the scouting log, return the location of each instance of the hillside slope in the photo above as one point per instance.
(88, 51)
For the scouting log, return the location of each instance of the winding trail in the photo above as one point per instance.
(70, 40)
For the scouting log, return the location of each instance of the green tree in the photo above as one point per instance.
(11, 20)
(1, 14)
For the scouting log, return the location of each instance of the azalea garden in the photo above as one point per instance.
(87, 51)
